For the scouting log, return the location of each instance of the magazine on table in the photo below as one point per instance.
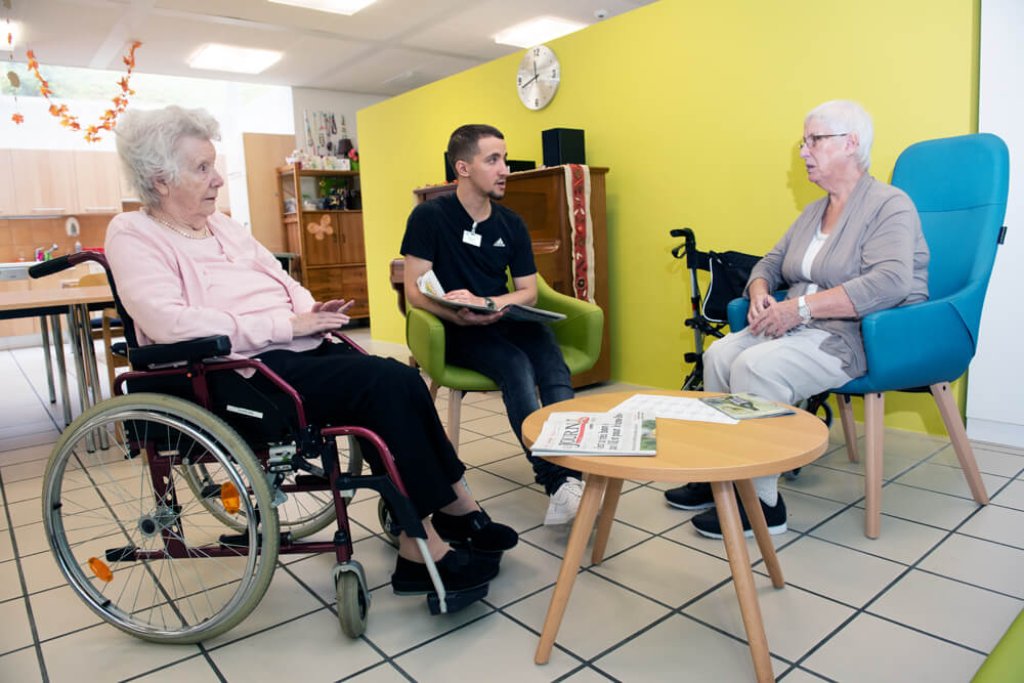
(432, 289)
(614, 433)
(747, 406)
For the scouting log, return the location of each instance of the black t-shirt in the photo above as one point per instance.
(434, 233)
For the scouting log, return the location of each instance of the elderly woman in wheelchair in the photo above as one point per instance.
(857, 250)
(172, 534)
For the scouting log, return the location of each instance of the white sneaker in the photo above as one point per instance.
(564, 502)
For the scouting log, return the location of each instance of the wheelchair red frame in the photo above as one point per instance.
(289, 468)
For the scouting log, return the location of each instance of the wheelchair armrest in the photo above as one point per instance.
(190, 351)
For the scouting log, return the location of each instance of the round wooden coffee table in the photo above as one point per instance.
(722, 454)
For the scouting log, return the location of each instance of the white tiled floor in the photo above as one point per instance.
(926, 601)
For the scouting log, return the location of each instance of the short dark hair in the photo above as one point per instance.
(463, 145)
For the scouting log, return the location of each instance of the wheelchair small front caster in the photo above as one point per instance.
(353, 599)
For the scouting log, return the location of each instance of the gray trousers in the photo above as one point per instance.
(788, 369)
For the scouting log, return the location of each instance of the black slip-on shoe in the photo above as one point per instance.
(477, 529)
(706, 523)
(460, 569)
(692, 496)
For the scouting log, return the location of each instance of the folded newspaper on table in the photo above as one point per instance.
(617, 433)
(747, 406)
(432, 289)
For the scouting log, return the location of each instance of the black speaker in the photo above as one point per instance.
(563, 146)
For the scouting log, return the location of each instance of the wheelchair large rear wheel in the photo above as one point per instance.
(132, 538)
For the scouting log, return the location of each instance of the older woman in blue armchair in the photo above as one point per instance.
(857, 250)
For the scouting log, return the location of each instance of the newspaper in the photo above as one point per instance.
(674, 408)
(747, 406)
(431, 287)
(588, 434)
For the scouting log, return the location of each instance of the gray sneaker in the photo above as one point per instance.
(564, 502)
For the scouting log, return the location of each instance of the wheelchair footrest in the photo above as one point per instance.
(456, 600)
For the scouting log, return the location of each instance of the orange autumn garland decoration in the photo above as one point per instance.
(69, 120)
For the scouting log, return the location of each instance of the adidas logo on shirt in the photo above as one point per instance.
(500, 243)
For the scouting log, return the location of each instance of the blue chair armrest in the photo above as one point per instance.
(893, 364)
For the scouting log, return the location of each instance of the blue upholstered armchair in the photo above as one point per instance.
(959, 186)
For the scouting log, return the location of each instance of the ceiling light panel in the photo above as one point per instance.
(242, 60)
(536, 31)
(346, 7)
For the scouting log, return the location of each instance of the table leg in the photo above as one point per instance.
(46, 355)
(604, 521)
(593, 493)
(62, 372)
(755, 514)
(92, 367)
(742, 578)
(75, 332)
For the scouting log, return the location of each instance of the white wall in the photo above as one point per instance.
(995, 392)
(341, 104)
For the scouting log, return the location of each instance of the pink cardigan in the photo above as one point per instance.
(163, 291)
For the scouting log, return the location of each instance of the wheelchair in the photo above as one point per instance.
(729, 272)
(167, 506)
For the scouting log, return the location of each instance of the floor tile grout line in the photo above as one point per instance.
(864, 609)
(45, 403)
(24, 588)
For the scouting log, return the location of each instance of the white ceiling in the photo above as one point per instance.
(386, 49)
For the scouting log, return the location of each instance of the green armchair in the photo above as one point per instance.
(579, 337)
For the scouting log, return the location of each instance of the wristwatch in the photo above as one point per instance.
(491, 306)
(803, 309)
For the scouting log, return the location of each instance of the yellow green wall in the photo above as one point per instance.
(696, 108)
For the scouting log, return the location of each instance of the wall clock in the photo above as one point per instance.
(538, 77)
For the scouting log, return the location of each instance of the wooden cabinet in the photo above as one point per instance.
(539, 197)
(331, 255)
(44, 182)
(48, 182)
(6, 184)
(98, 186)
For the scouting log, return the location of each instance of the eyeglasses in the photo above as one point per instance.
(809, 141)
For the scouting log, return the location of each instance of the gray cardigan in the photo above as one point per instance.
(877, 253)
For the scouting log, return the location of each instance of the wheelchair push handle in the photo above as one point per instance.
(689, 246)
(44, 268)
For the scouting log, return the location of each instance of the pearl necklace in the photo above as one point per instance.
(190, 234)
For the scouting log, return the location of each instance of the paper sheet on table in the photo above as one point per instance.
(674, 408)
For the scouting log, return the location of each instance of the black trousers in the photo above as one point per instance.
(522, 358)
(341, 386)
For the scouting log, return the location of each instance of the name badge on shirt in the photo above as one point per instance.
(471, 236)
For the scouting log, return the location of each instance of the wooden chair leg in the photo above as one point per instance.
(958, 436)
(874, 426)
(433, 390)
(454, 416)
(849, 426)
